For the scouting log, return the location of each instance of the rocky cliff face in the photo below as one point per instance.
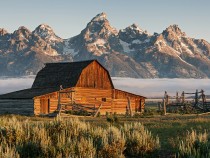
(130, 52)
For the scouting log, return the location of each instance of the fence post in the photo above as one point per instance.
(164, 106)
(129, 106)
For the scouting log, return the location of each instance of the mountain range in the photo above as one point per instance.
(129, 52)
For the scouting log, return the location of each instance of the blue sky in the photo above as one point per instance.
(68, 17)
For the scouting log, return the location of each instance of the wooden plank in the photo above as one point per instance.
(98, 110)
(90, 77)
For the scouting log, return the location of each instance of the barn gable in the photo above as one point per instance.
(95, 76)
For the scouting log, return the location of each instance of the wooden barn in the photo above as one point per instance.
(84, 85)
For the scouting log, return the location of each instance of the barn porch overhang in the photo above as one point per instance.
(29, 93)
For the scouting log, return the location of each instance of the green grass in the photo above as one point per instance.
(170, 129)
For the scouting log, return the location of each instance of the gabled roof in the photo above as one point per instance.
(56, 74)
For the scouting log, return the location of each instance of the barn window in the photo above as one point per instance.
(103, 99)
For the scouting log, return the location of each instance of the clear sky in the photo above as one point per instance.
(68, 17)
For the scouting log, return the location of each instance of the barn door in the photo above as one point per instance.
(45, 106)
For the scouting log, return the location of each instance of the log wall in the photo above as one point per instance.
(112, 100)
(95, 76)
(119, 105)
(17, 106)
(90, 97)
(121, 98)
(94, 97)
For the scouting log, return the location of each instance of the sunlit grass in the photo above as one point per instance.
(72, 137)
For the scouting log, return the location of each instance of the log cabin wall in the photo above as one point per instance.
(90, 97)
(95, 76)
(112, 100)
(120, 102)
(119, 106)
(45, 104)
(94, 97)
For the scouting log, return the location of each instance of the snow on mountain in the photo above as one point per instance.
(126, 46)
(67, 48)
(47, 33)
(129, 52)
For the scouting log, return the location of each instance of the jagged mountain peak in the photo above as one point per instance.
(133, 34)
(100, 17)
(3, 31)
(131, 52)
(100, 24)
(47, 33)
(175, 29)
(44, 30)
(97, 36)
(135, 28)
(45, 26)
(23, 28)
(98, 27)
(22, 33)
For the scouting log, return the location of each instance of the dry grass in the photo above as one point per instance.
(72, 138)
(156, 136)
(194, 145)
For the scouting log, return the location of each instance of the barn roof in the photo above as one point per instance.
(56, 74)
(28, 93)
(137, 95)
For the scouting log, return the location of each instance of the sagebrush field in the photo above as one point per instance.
(108, 137)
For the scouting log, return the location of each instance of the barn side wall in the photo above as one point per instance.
(17, 106)
(88, 97)
(112, 100)
(94, 97)
(121, 99)
(46, 103)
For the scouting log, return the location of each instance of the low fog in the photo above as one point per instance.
(145, 87)
(157, 87)
(14, 84)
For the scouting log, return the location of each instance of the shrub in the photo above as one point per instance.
(73, 138)
(113, 143)
(148, 112)
(194, 145)
(30, 149)
(112, 119)
(139, 141)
